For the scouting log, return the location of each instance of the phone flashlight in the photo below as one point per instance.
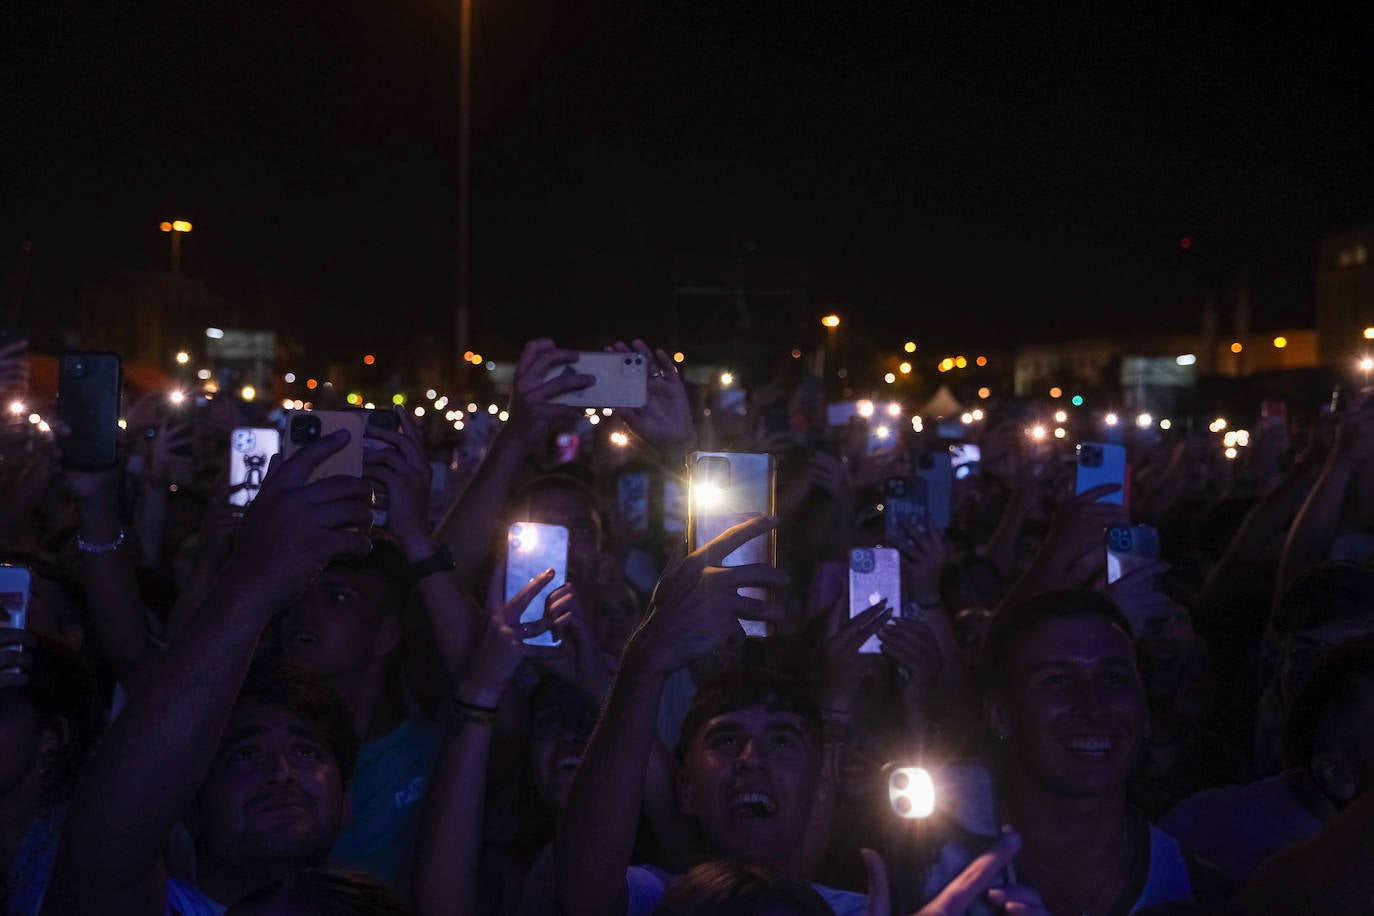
(524, 539)
(911, 792)
(708, 495)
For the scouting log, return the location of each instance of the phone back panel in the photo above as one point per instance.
(348, 461)
(532, 548)
(935, 488)
(875, 575)
(621, 380)
(250, 452)
(1129, 549)
(88, 390)
(723, 490)
(14, 596)
(1099, 463)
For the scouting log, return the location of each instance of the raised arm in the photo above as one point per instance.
(695, 609)
(450, 838)
(470, 524)
(145, 774)
(116, 604)
(1319, 520)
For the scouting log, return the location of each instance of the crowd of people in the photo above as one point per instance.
(286, 708)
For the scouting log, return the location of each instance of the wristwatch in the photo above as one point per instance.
(439, 561)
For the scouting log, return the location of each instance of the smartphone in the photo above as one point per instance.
(965, 457)
(1130, 548)
(882, 437)
(732, 400)
(632, 498)
(621, 380)
(1099, 463)
(566, 447)
(532, 548)
(674, 507)
(723, 490)
(14, 600)
(88, 390)
(875, 575)
(935, 486)
(306, 427)
(250, 452)
(902, 509)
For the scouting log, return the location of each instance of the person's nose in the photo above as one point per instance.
(753, 756)
(1088, 699)
(281, 770)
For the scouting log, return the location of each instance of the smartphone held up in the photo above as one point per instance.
(531, 549)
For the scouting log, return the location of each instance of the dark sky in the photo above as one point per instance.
(958, 175)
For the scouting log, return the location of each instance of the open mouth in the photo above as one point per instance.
(567, 764)
(1090, 746)
(272, 805)
(302, 636)
(753, 804)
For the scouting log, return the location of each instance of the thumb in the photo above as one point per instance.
(879, 897)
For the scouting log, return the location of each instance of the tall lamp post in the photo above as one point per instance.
(461, 343)
(175, 228)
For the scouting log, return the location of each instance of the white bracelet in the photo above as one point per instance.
(86, 546)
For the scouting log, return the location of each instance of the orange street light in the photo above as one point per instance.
(831, 321)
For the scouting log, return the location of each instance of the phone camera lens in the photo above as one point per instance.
(514, 543)
(628, 361)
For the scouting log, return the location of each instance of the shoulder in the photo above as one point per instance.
(844, 903)
(645, 886)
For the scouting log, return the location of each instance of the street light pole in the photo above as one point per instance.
(464, 188)
(175, 228)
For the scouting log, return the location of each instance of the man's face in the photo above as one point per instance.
(560, 725)
(273, 794)
(1074, 709)
(749, 779)
(340, 623)
(573, 510)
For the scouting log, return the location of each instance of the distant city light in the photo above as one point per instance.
(960, 362)
(183, 357)
(369, 359)
(679, 356)
(1111, 419)
(16, 407)
(831, 321)
(1144, 420)
(1060, 432)
(981, 361)
(1037, 432)
(894, 409)
(620, 439)
(1280, 342)
(890, 378)
(419, 410)
(1369, 333)
(865, 409)
(1165, 423)
(796, 354)
(176, 397)
(909, 346)
(984, 393)
(1076, 400)
(1217, 425)
(431, 394)
(1060, 416)
(726, 379)
(1187, 359)
(1367, 364)
(311, 384)
(289, 378)
(1056, 392)
(214, 333)
(966, 419)
(904, 368)
(978, 414)
(398, 399)
(1231, 454)
(1236, 347)
(248, 392)
(917, 425)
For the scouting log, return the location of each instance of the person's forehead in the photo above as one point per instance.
(263, 718)
(1073, 640)
(760, 717)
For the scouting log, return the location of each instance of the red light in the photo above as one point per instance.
(1185, 242)
(369, 359)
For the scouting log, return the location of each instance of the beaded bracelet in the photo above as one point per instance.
(86, 546)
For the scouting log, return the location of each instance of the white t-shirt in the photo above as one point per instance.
(646, 885)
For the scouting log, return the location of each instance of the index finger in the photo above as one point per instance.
(714, 552)
(974, 880)
(297, 469)
(510, 612)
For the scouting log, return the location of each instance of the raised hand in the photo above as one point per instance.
(405, 472)
(531, 404)
(295, 526)
(665, 420)
(696, 604)
(842, 665)
(579, 661)
(971, 885)
(503, 645)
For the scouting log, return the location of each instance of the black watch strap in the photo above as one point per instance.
(439, 561)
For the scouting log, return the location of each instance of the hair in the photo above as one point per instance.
(390, 564)
(293, 690)
(740, 687)
(1011, 625)
(1340, 590)
(523, 499)
(720, 888)
(62, 688)
(1325, 702)
(326, 891)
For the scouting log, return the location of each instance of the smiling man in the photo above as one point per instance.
(1064, 699)
(750, 752)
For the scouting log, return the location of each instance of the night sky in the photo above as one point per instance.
(952, 175)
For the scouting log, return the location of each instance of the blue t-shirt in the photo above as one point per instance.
(647, 884)
(187, 900)
(388, 785)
